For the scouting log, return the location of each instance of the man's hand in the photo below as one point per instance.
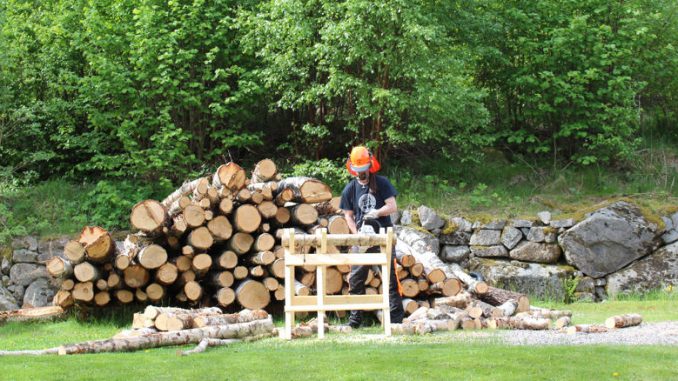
(372, 214)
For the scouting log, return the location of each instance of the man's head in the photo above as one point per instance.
(361, 163)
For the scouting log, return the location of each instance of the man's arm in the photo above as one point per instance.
(390, 207)
(350, 221)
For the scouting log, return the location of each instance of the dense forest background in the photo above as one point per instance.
(139, 95)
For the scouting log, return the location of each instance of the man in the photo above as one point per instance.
(366, 199)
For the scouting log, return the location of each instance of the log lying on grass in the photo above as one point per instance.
(32, 314)
(156, 340)
(622, 321)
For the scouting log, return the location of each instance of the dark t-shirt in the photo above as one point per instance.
(357, 197)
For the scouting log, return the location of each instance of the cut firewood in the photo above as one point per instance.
(277, 268)
(246, 218)
(264, 242)
(124, 296)
(200, 238)
(300, 289)
(32, 314)
(240, 272)
(99, 244)
(183, 263)
(282, 216)
(149, 216)
(410, 288)
(227, 260)
(155, 292)
(102, 298)
(167, 274)
(230, 176)
(86, 272)
(63, 299)
(264, 170)
(221, 279)
(152, 256)
(337, 225)
(306, 189)
(304, 214)
(220, 228)
(622, 321)
(267, 209)
(523, 321)
(252, 294)
(201, 264)
(328, 207)
(261, 258)
(136, 276)
(83, 292)
(59, 268)
(562, 322)
(497, 296)
(461, 300)
(225, 206)
(75, 252)
(586, 328)
(333, 281)
(194, 216)
(193, 290)
(225, 296)
(241, 243)
(140, 295)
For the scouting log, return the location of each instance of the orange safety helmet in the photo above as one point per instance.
(361, 160)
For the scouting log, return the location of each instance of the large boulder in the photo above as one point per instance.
(542, 281)
(24, 274)
(536, 252)
(7, 301)
(609, 239)
(38, 294)
(658, 269)
(457, 238)
(429, 219)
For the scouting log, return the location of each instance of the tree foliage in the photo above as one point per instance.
(153, 89)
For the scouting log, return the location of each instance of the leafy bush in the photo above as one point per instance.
(109, 204)
(332, 173)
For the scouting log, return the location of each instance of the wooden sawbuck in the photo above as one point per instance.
(321, 258)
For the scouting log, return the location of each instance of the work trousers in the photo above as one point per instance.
(356, 284)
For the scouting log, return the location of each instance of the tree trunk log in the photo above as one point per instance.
(623, 321)
(306, 189)
(230, 176)
(149, 216)
(220, 228)
(75, 252)
(497, 296)
(59, 268)
(99, 244)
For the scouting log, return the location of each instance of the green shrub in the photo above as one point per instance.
(332, 173)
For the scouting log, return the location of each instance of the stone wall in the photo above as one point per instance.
(612, 250)
(25, 281)
(615, 249)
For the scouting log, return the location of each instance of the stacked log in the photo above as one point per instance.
(216, 241)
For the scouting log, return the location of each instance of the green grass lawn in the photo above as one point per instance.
(362, 356)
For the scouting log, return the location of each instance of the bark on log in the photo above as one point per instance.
(623, 321)
(524, 321)
(586, 328)
(184, 190)
(156, 340)
(328, 207)
(32, 314)
(461, 300)
(497, 296)
(306, 189)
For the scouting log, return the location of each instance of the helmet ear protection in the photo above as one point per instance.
(361, 160)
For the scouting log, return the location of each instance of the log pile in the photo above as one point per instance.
(215, 241)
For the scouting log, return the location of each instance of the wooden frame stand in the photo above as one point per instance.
(321, 258)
